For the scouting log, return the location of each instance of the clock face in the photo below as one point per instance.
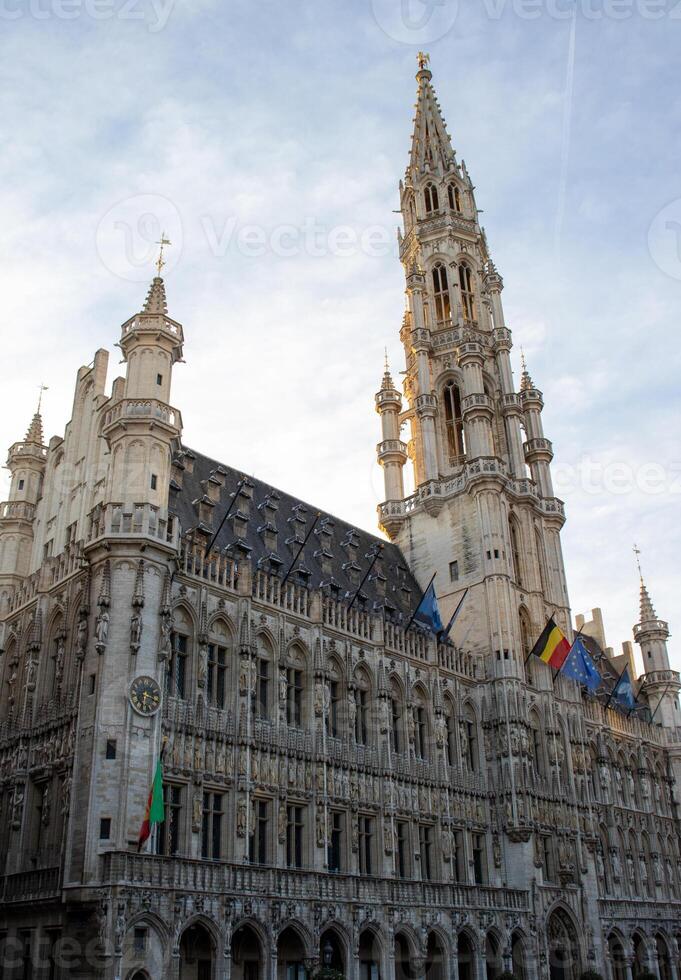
(145, 695)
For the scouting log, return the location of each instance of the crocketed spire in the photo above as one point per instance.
(35, 430)
(526, 382)
(431, 146)
(156, 304)
(387, 383)
(647, 609)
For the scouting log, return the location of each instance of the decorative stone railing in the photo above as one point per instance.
(20, 510)
(207, 878)
(143, 408)
(214, 568)
(290, 596)
(184, 714)
(617, 721)
(337, 615)
(31, 886)
(27, 449)
(144, 521)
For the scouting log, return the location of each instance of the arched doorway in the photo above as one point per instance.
(403, 964)
(564, 955)
(664, 960)
(435, 958)
(618, 960)
(139, 975)
(290, 955)
(493, 963)
(519, 968)
(369, 956)
(640, 961)
(247, 954)
(465, 955)
(197, 954)
(331, 953)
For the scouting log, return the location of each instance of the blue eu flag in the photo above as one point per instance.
(428, 613)
(580, 667)
(624, 690)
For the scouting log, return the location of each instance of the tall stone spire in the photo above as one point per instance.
(156, 303)
(431, 145)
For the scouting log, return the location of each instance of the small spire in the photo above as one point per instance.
(647, 609)
(387, 377)
(35, 430)
(526, 382)
(156, 303)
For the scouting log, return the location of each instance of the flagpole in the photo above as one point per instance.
(379, 548)
(420, 601)
(293, 563)
(612, 693)
(445, 633)
(664, 694)
(227, 513)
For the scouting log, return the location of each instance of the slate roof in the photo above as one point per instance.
(273, 525)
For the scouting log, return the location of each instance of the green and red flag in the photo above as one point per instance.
(155, 811)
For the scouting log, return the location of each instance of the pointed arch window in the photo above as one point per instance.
(515, 550)
(469, 739)
(467, 292)
(456, 446)
(443, 308)
(431, 199)
(395, 718)
(541, 558)
(454, 197)
(450, 736)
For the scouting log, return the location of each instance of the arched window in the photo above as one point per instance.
(362, 698)
(177, 674)
(295, 666)
(469, 738)
(333, 700)
(430, 198)
(536, 744)
(515, 549)
(217, 664)
(443, 310)
(467, 295)
(263, 677)
(420, 727)
(396, 731)
(525, 631)
(454, 197)
(456, 446)
(450, 734)
(541, 559)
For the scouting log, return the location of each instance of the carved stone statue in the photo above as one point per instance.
(165, 644)
(197, 810)
(440, 730)
(135, 630)
(241, 818)
(283, 820)
(102, 628)
(318, 699)
(81, 638)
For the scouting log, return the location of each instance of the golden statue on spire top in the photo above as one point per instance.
(423, 59)
(160, 262)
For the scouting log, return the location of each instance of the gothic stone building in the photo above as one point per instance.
(340, 790)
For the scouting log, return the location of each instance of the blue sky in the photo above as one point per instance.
(268, 138)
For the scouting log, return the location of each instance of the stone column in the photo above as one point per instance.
(273, 963)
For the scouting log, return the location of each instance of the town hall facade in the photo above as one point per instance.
(342, 791)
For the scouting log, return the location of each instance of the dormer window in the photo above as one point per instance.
(443, 309)
(430, 198)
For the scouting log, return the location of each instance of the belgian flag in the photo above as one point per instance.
(552, 646)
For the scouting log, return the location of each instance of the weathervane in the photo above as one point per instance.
(41, 388)
(162, 242)
(637, 552)
(423, 59)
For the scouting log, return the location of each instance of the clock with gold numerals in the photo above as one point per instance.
(145, 695)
